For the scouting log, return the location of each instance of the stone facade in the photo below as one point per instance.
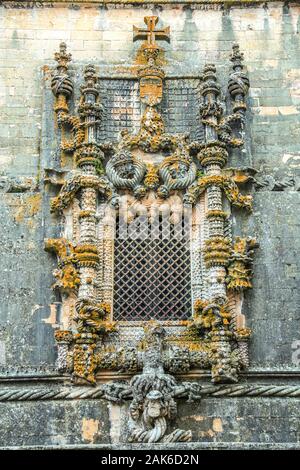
(263, 408)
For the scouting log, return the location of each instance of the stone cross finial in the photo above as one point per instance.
(237, 56)
(62, 57)
(150, 34)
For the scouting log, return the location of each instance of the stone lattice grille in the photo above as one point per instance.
(122, 108)
(120, 99)
(180, 108)
(152, 276)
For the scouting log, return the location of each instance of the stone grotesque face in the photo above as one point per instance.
(154, 404)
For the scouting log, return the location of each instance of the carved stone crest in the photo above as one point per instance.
(151, 90)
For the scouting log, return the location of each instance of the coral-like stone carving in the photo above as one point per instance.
(227, 265)
(231, 190)
(151, 180)
(67, 273)
(76, 183)
(239, 271)
(92, 323)
(217, 251)
(213, 321)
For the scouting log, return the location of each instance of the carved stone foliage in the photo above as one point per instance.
(239, 269)
(151, 169)
(67, 277)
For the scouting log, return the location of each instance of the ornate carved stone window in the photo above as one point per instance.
(150, 277)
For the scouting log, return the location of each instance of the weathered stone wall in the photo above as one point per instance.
(96, 423)
(269, 36)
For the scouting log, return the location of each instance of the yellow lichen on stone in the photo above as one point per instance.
(27, 208)
(89, 429)
(217, 425)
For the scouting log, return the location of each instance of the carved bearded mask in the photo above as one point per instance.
(154, 404)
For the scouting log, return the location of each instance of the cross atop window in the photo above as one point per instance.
(151, 34)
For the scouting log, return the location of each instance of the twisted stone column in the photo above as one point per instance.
(87, 157)
(212, 157)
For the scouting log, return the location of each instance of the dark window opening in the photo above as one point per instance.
(152, 274)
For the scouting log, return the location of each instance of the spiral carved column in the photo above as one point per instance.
(213, 157)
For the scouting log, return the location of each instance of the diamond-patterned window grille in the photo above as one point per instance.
(152, 274)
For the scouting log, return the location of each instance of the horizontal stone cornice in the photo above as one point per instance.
(214, 391)
(40, 3)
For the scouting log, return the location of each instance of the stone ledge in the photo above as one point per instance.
(54, 377)
(135, 2)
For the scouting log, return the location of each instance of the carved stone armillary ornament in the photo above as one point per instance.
(215, 336)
